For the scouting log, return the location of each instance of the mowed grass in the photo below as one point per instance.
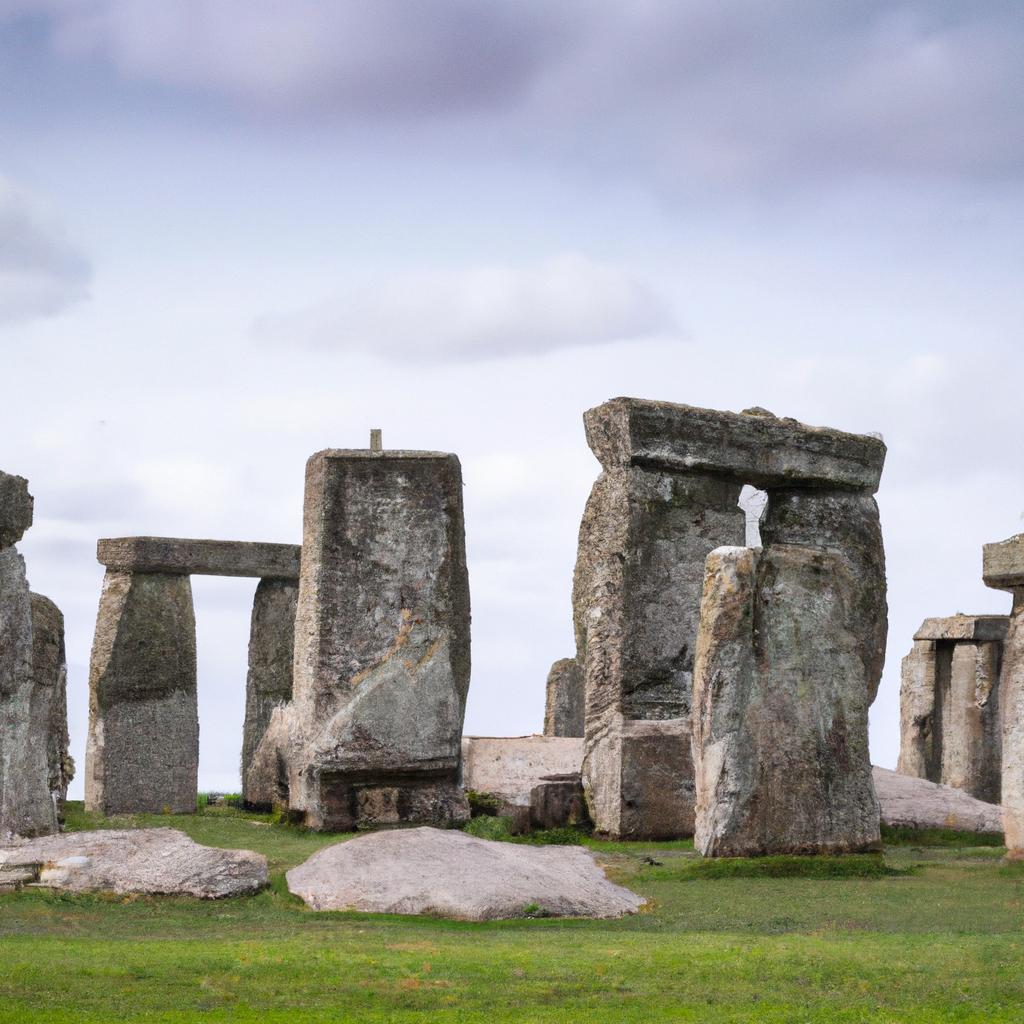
(933, 933)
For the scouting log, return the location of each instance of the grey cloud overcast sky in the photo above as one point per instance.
(234, 233)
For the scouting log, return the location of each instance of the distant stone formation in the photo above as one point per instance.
(1003, 569)
(950, 723)
(666, 498)
(564, 708)
(374, 730)
(143, 745)
(26, 805)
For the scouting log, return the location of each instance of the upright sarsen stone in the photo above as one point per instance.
(269, 682)
(381, 641)
(564, 706)
(142, 753)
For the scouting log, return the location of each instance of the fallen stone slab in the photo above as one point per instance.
(157, 862)
(908, 802)
(200, 557)
(449, 874)
(15, 508)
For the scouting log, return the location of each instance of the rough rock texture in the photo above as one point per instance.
(557, 801)
(964, 627)
(920, 743)
(49, 715)
(15, 508)
(200, 557)
(786, 667)
(143, 746)
(450, 874)
(1003, 564)
(754, 447)
(271, 652)
(636, 605)
(1012, 696)
(564, 709)
(907, 802)
(26, 807)
(381, 641)
(511, 766)
(158, 861)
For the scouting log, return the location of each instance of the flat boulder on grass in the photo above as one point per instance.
(156, 861)
(449, 874)
(909, 802)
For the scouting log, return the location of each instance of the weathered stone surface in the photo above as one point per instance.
(557, 801)
(782, 686)
(271, 652)
(1003, 564)
(920, 740)
(636, 606)
(754, 447)
(565, 705)
(200, 557)
(1012, 697)
(964, 627)
(143, 746)
(450, 874)
(15, 508)
(381, 641)
(510, 767)
(26, 808)
(907, 802)
(49, 715)
(158, 861)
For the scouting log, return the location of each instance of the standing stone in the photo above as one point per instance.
(26, 808)
(143, 746)
(563, 713)
(381, 642)
(16, 506)
(781, 691)
(49, 696)
(920, 742)
(1003, 568)
(269, 683)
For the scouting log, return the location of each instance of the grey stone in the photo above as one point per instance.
(450, 874)
(636, 606)
(564, 708)
(1003, 564)
(557, 801)
(509, 767)
(200, 557)
(15, 508)
(269, 682)
(26, 807)
(754, 447)
(49, 696)
(907, 802)
(964, 627)
(157, 861)
(785, 666)
(381, 642)
(1012, 697)
(920, 739)
(143, 745)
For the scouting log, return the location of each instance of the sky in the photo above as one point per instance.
(235, 232)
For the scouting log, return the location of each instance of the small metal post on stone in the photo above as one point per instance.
(376, 444)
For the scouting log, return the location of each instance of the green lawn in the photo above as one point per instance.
(940, 937)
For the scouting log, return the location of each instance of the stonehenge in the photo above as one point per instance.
(665, 500)
(950, 721)
(1003, 569)
(564, 703)
(142, 751)
(381, 671)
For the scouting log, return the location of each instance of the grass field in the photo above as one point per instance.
(936, 935)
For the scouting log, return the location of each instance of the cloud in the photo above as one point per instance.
(41, 272)
(479, 313)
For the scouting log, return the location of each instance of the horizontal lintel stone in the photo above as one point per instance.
(200, 557)
(964, 627)
(1003, 564)
(754, 447)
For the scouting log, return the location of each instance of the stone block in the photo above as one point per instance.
(782, 688)
(509, 767)
(381, 641)
(1003, 564)
(1011, 694)
(920, 735)
(964, 627)
(565, 704)
(557, 802)
(142, 753)
(200, 557)
(15, 508)
(269, 681)
(754, 447)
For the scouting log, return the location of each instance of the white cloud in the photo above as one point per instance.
(41, 272)
(478, 313)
